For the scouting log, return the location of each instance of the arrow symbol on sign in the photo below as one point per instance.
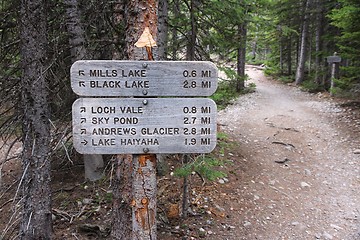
(82, 109)
(81, 73)
(83, 131)
(82, 84)
(84, 142)
(82, 120)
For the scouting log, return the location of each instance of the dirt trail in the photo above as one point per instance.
(300, 176)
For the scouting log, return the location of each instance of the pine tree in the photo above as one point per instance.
(346, 18)
(37, 218)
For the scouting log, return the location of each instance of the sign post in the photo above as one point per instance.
(335, 62)
(107, 121)
(145, 124)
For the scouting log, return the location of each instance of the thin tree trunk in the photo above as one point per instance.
(300, 71)
(36, 215)
(289, 56)
(75, 30)
(318, 41)
(174, 32)
(119, 21)
(163, 55)
(254, 48)
(190, 55)
(122, 197)
(310, 51)
(185, 197)
(281, 55)
(163, 29)
(190, 48)
(241, 53)
(93, 163)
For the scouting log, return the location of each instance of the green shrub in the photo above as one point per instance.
(203, 165)
(286, 79)
(311, 86)
(226, 91)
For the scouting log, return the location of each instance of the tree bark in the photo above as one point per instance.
(254, 48)
(122, 197)
(134, 188)
(289, 56)
(241, 53)
(191, 39)
(144, 197)
(163, 29)
(93, 163)
(281, 51)
(36, 215)
(119, 36)
(75, 30)
(138, 15)
(300, 70)
(318, 41)
(174, 32)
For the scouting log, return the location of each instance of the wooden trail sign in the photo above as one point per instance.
(144, 125)
(333, 59)
(143, 78)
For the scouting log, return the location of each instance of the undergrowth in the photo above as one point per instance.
(226, 92)
(206, 165)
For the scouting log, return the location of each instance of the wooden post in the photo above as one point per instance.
(150, 125)
(335, 62)
(144, 197)
(144, 174)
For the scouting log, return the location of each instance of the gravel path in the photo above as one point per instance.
(302, 177)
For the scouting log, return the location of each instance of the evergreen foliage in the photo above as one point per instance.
(273, 38)
(206, 165)
(203, 165)
(346, 18)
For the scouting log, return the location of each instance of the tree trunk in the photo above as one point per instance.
(36, 215)
(241, 53)
(75, 30)
(190, 56)
(134, 188)
(318, 41)
(163, 55)
(289, 56)
(300, 71)
(163, 29)
(122, 182)
(122, 197)
(191, 42)
(281, 50)
(185, 197)
(309, 52)
(254, 48)
(138, 15)
(119, 35)
(144, 197)
(93, 163)
(174, 32)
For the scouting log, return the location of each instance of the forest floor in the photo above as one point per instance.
(292, 161)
